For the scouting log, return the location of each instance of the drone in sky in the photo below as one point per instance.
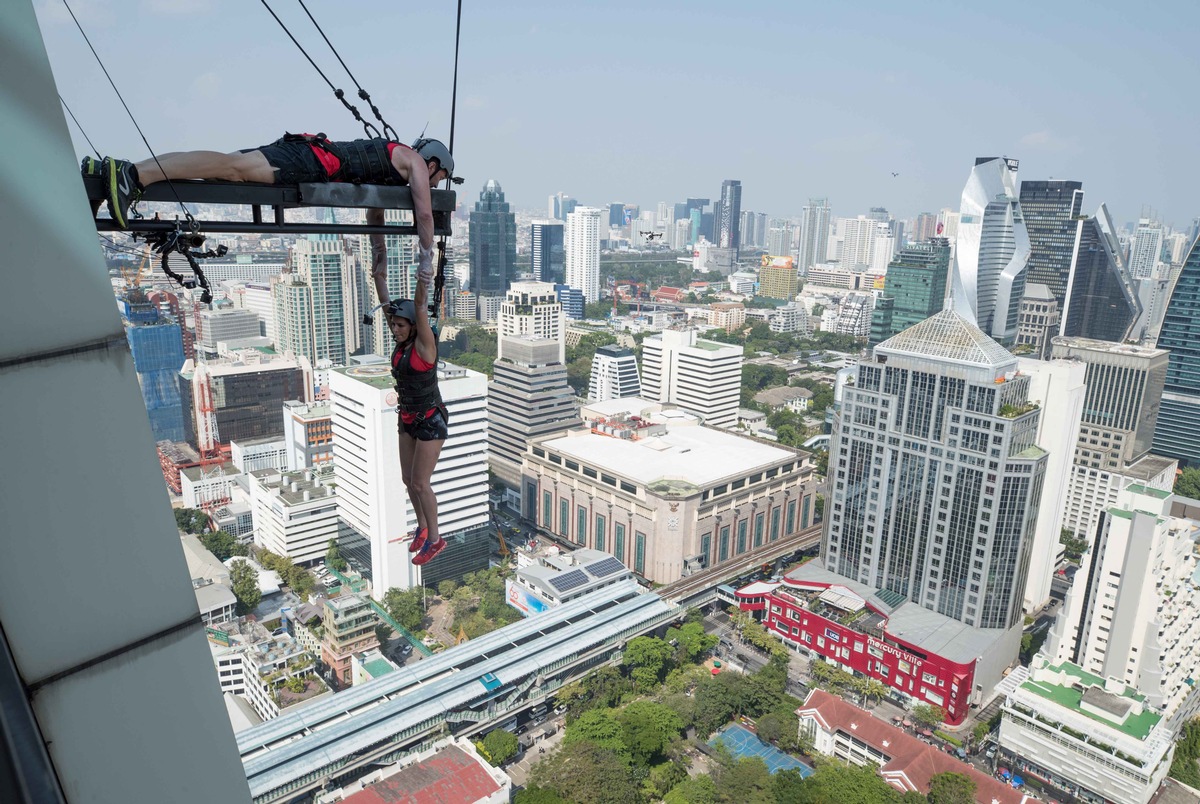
(651, 235)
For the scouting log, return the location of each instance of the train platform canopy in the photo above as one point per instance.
(267, 204)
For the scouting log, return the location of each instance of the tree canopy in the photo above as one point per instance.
(951, 788)
(404, 606)
(1188, 483)
(500, 746)
(244, 580)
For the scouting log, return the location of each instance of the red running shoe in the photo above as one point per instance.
(419, 540)
(429, 552)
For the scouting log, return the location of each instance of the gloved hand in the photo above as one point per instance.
(425, 265)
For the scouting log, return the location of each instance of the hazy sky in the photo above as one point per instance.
(650, 101)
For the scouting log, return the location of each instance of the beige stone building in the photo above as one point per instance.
(666, 495)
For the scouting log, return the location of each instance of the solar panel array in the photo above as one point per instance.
(569, 580)
(605, 567)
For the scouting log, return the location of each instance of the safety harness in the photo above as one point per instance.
(418, 391)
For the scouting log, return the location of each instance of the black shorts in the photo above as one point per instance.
(432, 428)
(294, 161)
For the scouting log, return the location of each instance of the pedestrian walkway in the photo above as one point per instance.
(742, 742)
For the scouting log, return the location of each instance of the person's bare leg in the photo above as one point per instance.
(237, 166)
(422, 471)
(408, 453)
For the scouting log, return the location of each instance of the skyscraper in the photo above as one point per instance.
(1051, 210)
(1100, 300)
(614, 374)
(493, 235)
(814, 233)
(938, 477)
(561, 205)
(1145, 250)
(529, 395)
(1177, 435)
(310, 310)
(581, 243)
(924, 227)
(546, 250)
(992, 253)
(916, 284)
(857, 236)
(702, 377)
(728, 220)
(156, 344)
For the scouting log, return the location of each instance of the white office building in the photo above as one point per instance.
(581, 244)
(372, 502)
(614, 374)
(255, 297)
(222, 325)
(533, 309)
(1058, 386)
(295, 513)
(702, 377)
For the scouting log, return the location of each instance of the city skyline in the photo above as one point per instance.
(662, 145)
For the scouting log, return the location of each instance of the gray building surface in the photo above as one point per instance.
(938, 479)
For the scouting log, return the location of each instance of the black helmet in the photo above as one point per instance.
(434, 149)
(402, 308)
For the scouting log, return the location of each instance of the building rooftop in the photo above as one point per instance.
(1074, 342)
(949, 336)
(1038, 292)
(908, 759)
(684, 458)
(1161, 494)
(451, 776)
(557, 574)
(1109, 703)
(226, 469)
(379, 374)
(1148, 467)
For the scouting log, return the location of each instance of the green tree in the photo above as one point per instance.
(295, 684)
(1188, 483)
(221, 544)
(698, 790)
(383, 632)
(1187, 751)
(647, 659)
(648, 728)
(244, 579)
(834, 783)
(931, 717)
(585, 773)
(874, 689)
(446, 588)
(693, 642)
(745, 781)
(404, 606)
(601, 728)
(788, 786)
(501, 746)
(192, 520)
(333, 557)
(538, 795)
(299, 579)
(662, 778)
(951, 788)
(1031, 643)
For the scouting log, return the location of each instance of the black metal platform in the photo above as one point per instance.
(275, 198)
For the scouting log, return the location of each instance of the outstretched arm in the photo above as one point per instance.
(378, 256)
(426, 340)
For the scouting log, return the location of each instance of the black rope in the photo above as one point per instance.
(191, 220)
(362, 93)
(439, 281)
(337, 93)
(81, 131)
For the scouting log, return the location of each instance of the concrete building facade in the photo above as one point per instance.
(702, 377)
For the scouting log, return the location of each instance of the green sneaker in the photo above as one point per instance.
(123, 187)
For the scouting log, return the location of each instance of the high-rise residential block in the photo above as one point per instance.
(702, 377)
(493, 242)
(1101, 299)
(916, 284)
(992, 252)
(1145, 249)
(1130, 614)
(310, 310)
(814, 233)
(1177, 435)
(924, 227)
(614, 374)
(1051, 210)
(857, 239)
(561, 205)
(729, 216)
(546, 251)
(373, 507)
(581, 243)
(939, 475)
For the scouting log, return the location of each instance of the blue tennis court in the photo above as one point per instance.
(742, 742)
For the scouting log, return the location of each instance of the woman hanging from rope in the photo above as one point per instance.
(423, 418)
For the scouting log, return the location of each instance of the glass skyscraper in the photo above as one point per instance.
(546, 250)
(1100, 300)
(916, 287)
(493, 236)
(1051, 209)
(1177, 435)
